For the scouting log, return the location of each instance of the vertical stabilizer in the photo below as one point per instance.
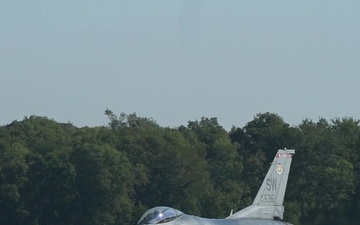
(268, 203)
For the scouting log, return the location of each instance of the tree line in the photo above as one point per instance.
(56, 173)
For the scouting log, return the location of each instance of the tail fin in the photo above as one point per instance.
(268, 203)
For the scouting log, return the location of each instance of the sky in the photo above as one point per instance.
(180, 60)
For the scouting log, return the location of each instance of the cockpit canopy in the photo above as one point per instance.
(160, 214)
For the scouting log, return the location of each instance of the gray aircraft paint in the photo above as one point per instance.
(266, 209)
(268, 203)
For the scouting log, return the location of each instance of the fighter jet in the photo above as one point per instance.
(267, 208)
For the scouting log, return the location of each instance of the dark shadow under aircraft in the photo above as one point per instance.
(267, 208)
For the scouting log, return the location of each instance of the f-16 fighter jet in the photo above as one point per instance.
(267, 208)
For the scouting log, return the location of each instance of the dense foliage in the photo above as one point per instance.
(58, 174)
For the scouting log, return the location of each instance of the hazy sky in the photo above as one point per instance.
(179, 60)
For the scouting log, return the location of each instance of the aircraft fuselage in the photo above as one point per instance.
(194, 220)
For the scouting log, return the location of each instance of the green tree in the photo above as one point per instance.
(320, 172)
(104, 180)
(225, 166)
(46, 144)
(50, 193)
(170, 167)
(268, 132)
(13, 169)
(347, 131)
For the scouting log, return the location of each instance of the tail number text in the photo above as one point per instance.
(267, 198)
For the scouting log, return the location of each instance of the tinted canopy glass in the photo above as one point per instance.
(159, 215)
